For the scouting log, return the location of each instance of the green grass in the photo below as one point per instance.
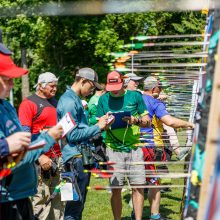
(98, 206)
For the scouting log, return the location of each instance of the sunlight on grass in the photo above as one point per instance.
(98, 206)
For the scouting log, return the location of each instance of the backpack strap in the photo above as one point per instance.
(41, 104)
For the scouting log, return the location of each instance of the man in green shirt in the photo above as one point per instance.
(123, 142)
(92, 105)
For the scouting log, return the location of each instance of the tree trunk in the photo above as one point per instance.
(25, 79)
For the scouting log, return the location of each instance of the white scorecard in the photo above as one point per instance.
(67, 123)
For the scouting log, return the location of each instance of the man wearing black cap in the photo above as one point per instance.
(158, 114)
(86, 81)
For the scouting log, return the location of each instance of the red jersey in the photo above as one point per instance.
(39, 114)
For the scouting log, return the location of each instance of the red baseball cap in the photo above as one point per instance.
(9, 69)
(114, 81)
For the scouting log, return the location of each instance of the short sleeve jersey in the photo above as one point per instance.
(156, 109)
(47, 118)
(122, 139)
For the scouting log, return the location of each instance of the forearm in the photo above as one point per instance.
(178, 123)
(33, 155)
(81, 134)
(175, 122)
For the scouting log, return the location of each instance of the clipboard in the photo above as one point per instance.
(119, 123)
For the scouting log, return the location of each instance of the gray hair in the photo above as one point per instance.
(43, 85)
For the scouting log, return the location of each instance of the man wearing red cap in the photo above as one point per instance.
(19, 141)
(16, 142)
(123, 142)
(22, 182)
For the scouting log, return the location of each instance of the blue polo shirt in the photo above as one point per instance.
(157, 108)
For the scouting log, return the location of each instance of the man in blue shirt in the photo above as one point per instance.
(22, 182)
(86, 81)
(157, 110)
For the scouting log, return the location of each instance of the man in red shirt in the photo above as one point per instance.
(37, 113)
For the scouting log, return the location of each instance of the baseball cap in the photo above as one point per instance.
(91, 75)
(131, 76)
(151, 82)
(9, 69)
(46, 77)
(114, 81)
(3, 49)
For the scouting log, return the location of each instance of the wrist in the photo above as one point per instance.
(137, 121)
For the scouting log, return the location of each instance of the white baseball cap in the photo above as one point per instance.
(131, 76)
(46, 77)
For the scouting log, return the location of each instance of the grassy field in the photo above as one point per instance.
(98, 202)
(98, 206)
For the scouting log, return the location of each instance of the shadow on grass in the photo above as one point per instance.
(167, 209)
(165, 212)
(127, 198)
(168, 196)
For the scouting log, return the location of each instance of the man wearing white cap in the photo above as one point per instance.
(132, 81)
(37, 113)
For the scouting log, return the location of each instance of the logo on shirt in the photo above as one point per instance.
(131, 105)
(10, 126)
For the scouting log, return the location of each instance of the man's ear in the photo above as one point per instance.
(83, 81)
(40, 87)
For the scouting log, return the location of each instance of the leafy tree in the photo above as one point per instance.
(63, 44)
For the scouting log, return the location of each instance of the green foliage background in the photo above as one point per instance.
(63, 44)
